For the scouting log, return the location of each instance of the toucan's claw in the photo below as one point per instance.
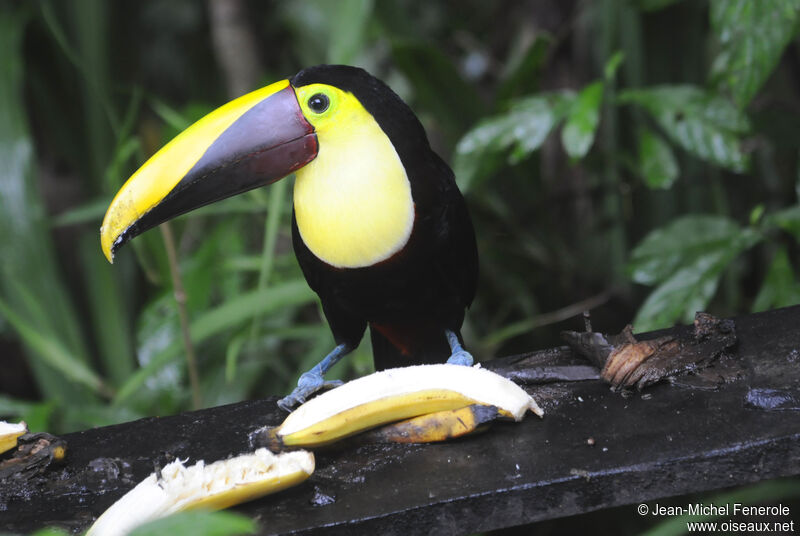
(288, 402)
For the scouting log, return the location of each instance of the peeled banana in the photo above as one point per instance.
(212, 487)
(9, 433)
(396, 394)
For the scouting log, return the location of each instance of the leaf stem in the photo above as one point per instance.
(180, 300)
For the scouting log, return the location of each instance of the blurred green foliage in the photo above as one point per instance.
(199, 523)
(645, 150)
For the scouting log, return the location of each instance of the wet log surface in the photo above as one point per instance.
(737, 423)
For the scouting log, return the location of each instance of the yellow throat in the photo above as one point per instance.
(353, 201)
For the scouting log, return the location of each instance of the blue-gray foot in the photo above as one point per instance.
(309, 383)
(458, 356)
(312, 381)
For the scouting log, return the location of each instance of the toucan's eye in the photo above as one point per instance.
(318, 102)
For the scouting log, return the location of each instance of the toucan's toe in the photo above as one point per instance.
(309, 383)
(461, 357)
(288, 402)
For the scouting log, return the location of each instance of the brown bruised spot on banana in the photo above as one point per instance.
(212, 487)
(10, 433)
(396, 394)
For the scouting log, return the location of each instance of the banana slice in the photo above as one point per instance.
(9, 433)
(396, 394)
(212, 487)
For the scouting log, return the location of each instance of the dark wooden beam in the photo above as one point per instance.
(665, 441)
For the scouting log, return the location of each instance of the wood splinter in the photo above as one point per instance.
(627, 362)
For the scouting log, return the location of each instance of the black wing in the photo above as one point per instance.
(456, 251)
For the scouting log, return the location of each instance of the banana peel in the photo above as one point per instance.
(33, 455)
(211, 487)
(434, 427)
(10, 433)
(397, 394)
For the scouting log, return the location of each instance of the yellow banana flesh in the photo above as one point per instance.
(215, 486)
(10, 433)
(397, 394)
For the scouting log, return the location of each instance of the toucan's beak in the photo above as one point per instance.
(250, 142)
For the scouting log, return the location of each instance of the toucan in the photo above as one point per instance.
(379, 227)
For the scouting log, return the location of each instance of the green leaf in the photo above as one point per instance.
(753, 36)
(438, 86)
(232, 356)
(277, 200)
(704, 124)
(787, 219)
(90, 212)
(524, 127)
(37, 415)
(244, 204)
(757, 213)
(199, 523)
(172, 117)
(89, 25)
(494, 133)
(612, 65)
(657, 162)
(687, 291)
(523, 71)
(246, 306)
(117, 169)
(31, 284)
(348, 30)
(11, 407)
(663, 250)
(52, 351)
(86, 416)
(582, 121)
(109, 312)
(477, 154)
(687, 258)
(655, 5)
(50, 531)
(535, 118)
(157, 332)
(228, 315)
(328, 32)
(781, 287)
